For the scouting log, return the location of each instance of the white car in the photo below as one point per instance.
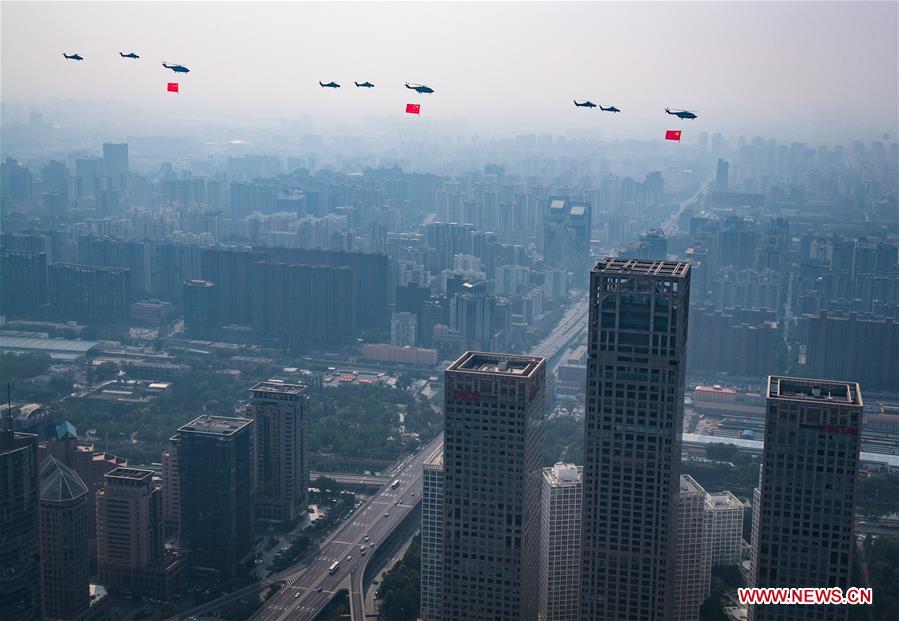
(349, 557)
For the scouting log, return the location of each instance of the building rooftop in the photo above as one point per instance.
(130, 474)
(496, 364)
(215, 425)
(688, 485)
(724, 500)
(66, 429)
(59, 482)
(814, 390)
(643, 267)
(562, 473)
(198, 283)
(58, 349)
(278, 387)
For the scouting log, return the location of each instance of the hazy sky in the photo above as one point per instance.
(806, 70)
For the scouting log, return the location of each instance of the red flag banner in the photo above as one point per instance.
(672, 134)
(413, 108)
(173, 87)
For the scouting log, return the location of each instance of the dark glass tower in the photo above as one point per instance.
(214, 466)
(634, 415)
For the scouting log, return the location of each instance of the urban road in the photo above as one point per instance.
(309, 588)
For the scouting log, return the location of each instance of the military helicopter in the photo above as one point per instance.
(73, 56)
(176, 68)
(586, 104)
(364, 85)
(609, 109)
(329, 84)
(420, 88)
(682, 114)
(128, 55)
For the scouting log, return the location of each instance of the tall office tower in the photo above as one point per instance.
(804, 532)
(64, 555)
(693, 569)
(493, 448)
(23, 282)
(560, 543)
(566, 235)
(115, 158)
(88, 293)
(432, 539)
(20, 583)
(129, 531)
(215, 470)
(281, 415)
(200, 300)
(724, 528)
(171, 490)
(721, 174)
(632, 448)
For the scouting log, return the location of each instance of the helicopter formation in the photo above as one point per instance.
(421, 89)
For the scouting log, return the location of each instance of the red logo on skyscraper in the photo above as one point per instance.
(465, 395)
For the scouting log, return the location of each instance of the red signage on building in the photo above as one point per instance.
(464, 395)
(839, 429)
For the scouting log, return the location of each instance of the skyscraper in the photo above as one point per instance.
(65, 566)
(632, 447)
(130, 553)
(115, 163)
(693, 568)
(88, 293)
(493, 448)
(200, 307)
(280, 412)
(20, 586)
(721, 174)
(803, 520)
(215, 472)
(560, 543)
(432, 539)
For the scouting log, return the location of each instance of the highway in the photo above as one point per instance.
(308, 589)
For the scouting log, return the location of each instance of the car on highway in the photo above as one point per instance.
(387, 514)
(362, 548)
(318, 590)
(349, 557)
(365, 538)
(296, 595)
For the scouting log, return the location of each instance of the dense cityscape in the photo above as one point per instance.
(279, 370)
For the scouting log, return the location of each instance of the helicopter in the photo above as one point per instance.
(586, 104)
(364, 84)
(73, 56)
(420, 88)
(682, 114)
(329, 84)
(176, 68)
(128, 55)
(609, 109)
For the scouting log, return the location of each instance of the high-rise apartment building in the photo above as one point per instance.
(432, 539)
(280, 412)
(693, 569)
(724, 528)
(130, 554)
(560, 543)
(88, 293)
(634, 416)
(23, 282)
(493, 448)
(20, 584)
(171, 490)
(804, 514)
(403, 329)
(201, 308)
(65, 564)
(215, 472)
(115, 163)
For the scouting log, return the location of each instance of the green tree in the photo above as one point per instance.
(400, 589)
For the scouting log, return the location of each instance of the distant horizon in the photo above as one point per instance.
(796, 71)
